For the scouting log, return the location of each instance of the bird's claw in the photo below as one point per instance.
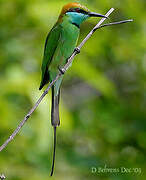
(61, 70)
(77, 50)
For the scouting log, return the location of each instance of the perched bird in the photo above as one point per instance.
(60, 44)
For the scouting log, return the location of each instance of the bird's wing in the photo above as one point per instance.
(50, 47)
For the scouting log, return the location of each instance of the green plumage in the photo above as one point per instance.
(59, 46)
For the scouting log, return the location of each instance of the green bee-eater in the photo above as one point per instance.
(60, 44)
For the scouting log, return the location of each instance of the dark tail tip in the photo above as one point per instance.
(54, 150)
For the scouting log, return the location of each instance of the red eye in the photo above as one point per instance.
(77, 10)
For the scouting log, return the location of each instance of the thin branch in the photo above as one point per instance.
(113, 23)
(2, 176)
(61, 72)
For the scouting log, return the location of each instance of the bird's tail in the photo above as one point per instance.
(55, 121)
(55, 108)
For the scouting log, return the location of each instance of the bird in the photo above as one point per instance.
(60, 44)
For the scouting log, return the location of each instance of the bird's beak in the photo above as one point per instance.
(93, 14)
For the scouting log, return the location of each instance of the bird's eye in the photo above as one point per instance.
(77, 10)
(71, 10)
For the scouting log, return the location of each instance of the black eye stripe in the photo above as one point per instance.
(82, 11)
(78, 10)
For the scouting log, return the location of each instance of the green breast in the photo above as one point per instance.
(66, 45)
(70, 34)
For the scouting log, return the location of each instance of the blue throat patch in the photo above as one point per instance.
(77, 18)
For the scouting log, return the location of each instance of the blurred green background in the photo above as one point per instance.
(103, 103)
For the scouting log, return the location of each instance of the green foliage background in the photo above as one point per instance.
(103, 104)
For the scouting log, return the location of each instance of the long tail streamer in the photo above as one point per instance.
(54, 152)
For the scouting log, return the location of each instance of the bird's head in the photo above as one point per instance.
(77, 13)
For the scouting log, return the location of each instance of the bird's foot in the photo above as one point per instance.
(61, 70)
(77, 50)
